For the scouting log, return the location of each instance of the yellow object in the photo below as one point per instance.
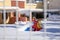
(34, 5)
(39, 25)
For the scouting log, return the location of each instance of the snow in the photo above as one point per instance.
(13, 33)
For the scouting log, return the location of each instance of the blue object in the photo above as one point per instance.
(54, 30)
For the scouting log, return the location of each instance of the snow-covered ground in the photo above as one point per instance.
(13, 34)
(19, 33)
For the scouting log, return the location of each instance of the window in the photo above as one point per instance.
(27, 1)
(34, 1)
(13, 3)
(20, 4)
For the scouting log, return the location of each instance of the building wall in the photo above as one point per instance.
(6, 3)
(54, 4)
(1, 4)
(22, 4)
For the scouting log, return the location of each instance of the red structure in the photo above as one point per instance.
(21, 4)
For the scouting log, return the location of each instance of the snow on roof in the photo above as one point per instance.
(53, 10)
(8, 8)
(41, 10)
